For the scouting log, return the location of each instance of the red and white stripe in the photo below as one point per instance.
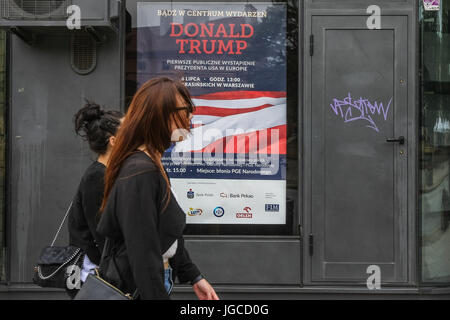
(238, 122)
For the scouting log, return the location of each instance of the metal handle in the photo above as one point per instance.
(400, 140)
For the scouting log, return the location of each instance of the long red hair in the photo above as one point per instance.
(148, 123)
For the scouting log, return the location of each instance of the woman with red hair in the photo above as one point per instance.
(140, 216)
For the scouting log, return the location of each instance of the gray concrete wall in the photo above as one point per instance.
(47, 159)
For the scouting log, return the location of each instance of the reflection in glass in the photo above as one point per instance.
(435, 143)
(2, 150)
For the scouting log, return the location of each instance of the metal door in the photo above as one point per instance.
(358, 154)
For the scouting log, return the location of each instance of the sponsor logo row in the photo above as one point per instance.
(245, 214)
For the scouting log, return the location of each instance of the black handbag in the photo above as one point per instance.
(59, 267)
(97, 288)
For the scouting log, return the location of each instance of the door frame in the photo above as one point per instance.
(406, 8)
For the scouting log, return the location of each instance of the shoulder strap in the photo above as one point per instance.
(60, 226)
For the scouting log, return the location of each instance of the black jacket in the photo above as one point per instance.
(83, 216)
(141, 231)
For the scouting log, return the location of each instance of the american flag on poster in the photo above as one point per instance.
(238, 122)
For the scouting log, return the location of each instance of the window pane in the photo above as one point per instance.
(233, 57)
(435, 143)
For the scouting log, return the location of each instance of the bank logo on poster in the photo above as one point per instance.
(237, 195)
(191, 194)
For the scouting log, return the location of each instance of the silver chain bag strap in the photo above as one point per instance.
(59, 267)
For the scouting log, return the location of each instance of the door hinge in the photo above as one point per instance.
(311, 244)
(311, 45)
(299, 230)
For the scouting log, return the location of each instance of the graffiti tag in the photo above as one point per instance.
(360, 109)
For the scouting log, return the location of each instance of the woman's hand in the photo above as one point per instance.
(204, 290)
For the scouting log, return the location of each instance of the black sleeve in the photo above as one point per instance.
(91, 196)
(135, 208)
(79, 234)
(185, 270)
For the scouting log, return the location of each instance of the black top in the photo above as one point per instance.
(83, 216)
(141, 231)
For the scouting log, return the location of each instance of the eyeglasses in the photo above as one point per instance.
(189, 108)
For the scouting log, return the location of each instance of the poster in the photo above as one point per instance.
(231, 169)
(431, 5)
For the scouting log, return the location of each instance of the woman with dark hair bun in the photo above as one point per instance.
(98, 127)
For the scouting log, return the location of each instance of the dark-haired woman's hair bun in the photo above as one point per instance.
(91, 111)
(96, 125)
